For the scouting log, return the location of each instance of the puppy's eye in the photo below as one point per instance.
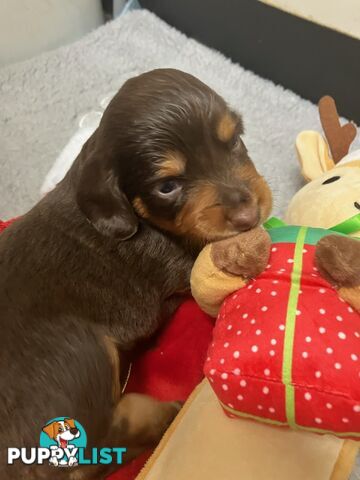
(61, 430)
(357, 205)
(169, 189)
(331, 180)
(236, 141)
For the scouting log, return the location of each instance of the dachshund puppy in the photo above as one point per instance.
(101, 262)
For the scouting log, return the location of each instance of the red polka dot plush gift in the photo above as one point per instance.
(286, 344)
(286, 348)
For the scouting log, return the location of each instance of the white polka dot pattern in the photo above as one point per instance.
(246, 358)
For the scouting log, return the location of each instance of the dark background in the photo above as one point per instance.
(307, 58)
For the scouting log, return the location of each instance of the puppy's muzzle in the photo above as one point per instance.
(244, 218)
(241, 209)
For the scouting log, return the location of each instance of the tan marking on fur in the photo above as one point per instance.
(226, 128)
(114, 358)
(146, 470)
(200, 216)
(258, 186)
(172, 165)
(140, 208)
(50, 429)
(146, 418)
(162, 223)
(201, 212)
(352, 296)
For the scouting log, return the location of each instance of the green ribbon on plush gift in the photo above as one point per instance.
(300, 236)
(351, 225)
(274, 222)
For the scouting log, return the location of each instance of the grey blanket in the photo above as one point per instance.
(41, 100)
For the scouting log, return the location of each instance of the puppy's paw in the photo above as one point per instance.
(54, 462)
(169, 411)
(72, 461)
(338, 260)
(246, 254)
(178, 404)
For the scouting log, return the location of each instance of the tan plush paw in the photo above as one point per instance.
(246, 254)
(338, 260)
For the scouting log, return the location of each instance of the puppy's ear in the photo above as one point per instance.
(102, 201)
(70, 422)
(50, 430)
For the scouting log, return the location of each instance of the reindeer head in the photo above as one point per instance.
(332, 195)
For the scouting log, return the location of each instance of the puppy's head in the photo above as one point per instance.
(62, 431)
(169, 150)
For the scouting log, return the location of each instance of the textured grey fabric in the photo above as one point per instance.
(42, 99)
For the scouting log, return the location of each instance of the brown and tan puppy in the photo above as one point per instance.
(97, 266)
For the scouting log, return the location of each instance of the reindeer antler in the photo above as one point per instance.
(339, 137)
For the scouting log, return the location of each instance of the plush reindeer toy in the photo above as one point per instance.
(286, 345)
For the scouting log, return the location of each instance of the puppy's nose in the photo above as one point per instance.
(244, 218)
(74, 431)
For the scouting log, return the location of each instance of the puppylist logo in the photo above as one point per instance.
(62, 444)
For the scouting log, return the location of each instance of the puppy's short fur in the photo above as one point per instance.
(101, 262)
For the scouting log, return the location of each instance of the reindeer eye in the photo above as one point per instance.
(331, 180)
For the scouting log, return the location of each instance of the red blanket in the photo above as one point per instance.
(172, 369)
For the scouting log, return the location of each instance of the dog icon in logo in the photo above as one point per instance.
(63, 432)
